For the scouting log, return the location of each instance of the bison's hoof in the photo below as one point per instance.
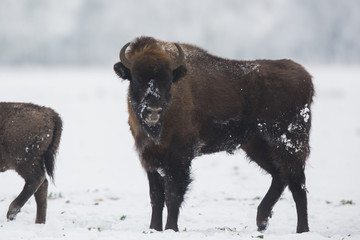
(11, 215)
(174, 228)
(263, 226)
(301, 229)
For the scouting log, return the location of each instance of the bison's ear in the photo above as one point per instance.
(122, 71)
(179, 73)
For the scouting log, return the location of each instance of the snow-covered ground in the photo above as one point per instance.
(101, 191)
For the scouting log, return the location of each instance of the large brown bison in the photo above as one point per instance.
(29, 139)
(184, 102)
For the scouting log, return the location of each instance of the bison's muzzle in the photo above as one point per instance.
(150, 119)
(151, 115)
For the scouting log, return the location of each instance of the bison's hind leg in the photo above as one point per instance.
(293, 172)
(34, 177)
(41, 202)
(259, 151)
(297, 187)
(264, 211)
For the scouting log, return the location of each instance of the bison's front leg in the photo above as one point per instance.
(177, 180)
(157, 196)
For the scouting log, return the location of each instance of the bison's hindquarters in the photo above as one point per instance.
(30, 141)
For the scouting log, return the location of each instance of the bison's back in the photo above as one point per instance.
(252, 89)
(26, 131)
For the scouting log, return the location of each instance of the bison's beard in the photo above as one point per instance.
(152, 131)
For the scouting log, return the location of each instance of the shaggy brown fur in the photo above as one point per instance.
(211, 104)
(29, 139)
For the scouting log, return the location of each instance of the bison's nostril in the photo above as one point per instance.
(156, 110)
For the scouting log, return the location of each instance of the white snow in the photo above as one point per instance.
(291, 145)
(292, 127)
(152, 90)
(101, 191)
(249, 67)
(305, 113)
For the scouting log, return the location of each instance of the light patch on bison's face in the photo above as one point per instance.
(150, 100)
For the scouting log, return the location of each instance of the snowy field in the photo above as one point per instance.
(101, 191)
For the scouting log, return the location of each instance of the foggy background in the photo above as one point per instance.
(91, 32)
(98, 175)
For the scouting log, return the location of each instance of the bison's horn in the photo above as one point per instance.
(123, 58)
(180, 58)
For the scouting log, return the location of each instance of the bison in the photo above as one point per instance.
(184, 102)
(29, 139)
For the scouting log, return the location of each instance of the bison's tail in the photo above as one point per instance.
(51, 152)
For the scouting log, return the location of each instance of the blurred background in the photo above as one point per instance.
(60, 53)
(91, 32)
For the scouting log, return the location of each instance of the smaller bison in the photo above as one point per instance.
(29, 139)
